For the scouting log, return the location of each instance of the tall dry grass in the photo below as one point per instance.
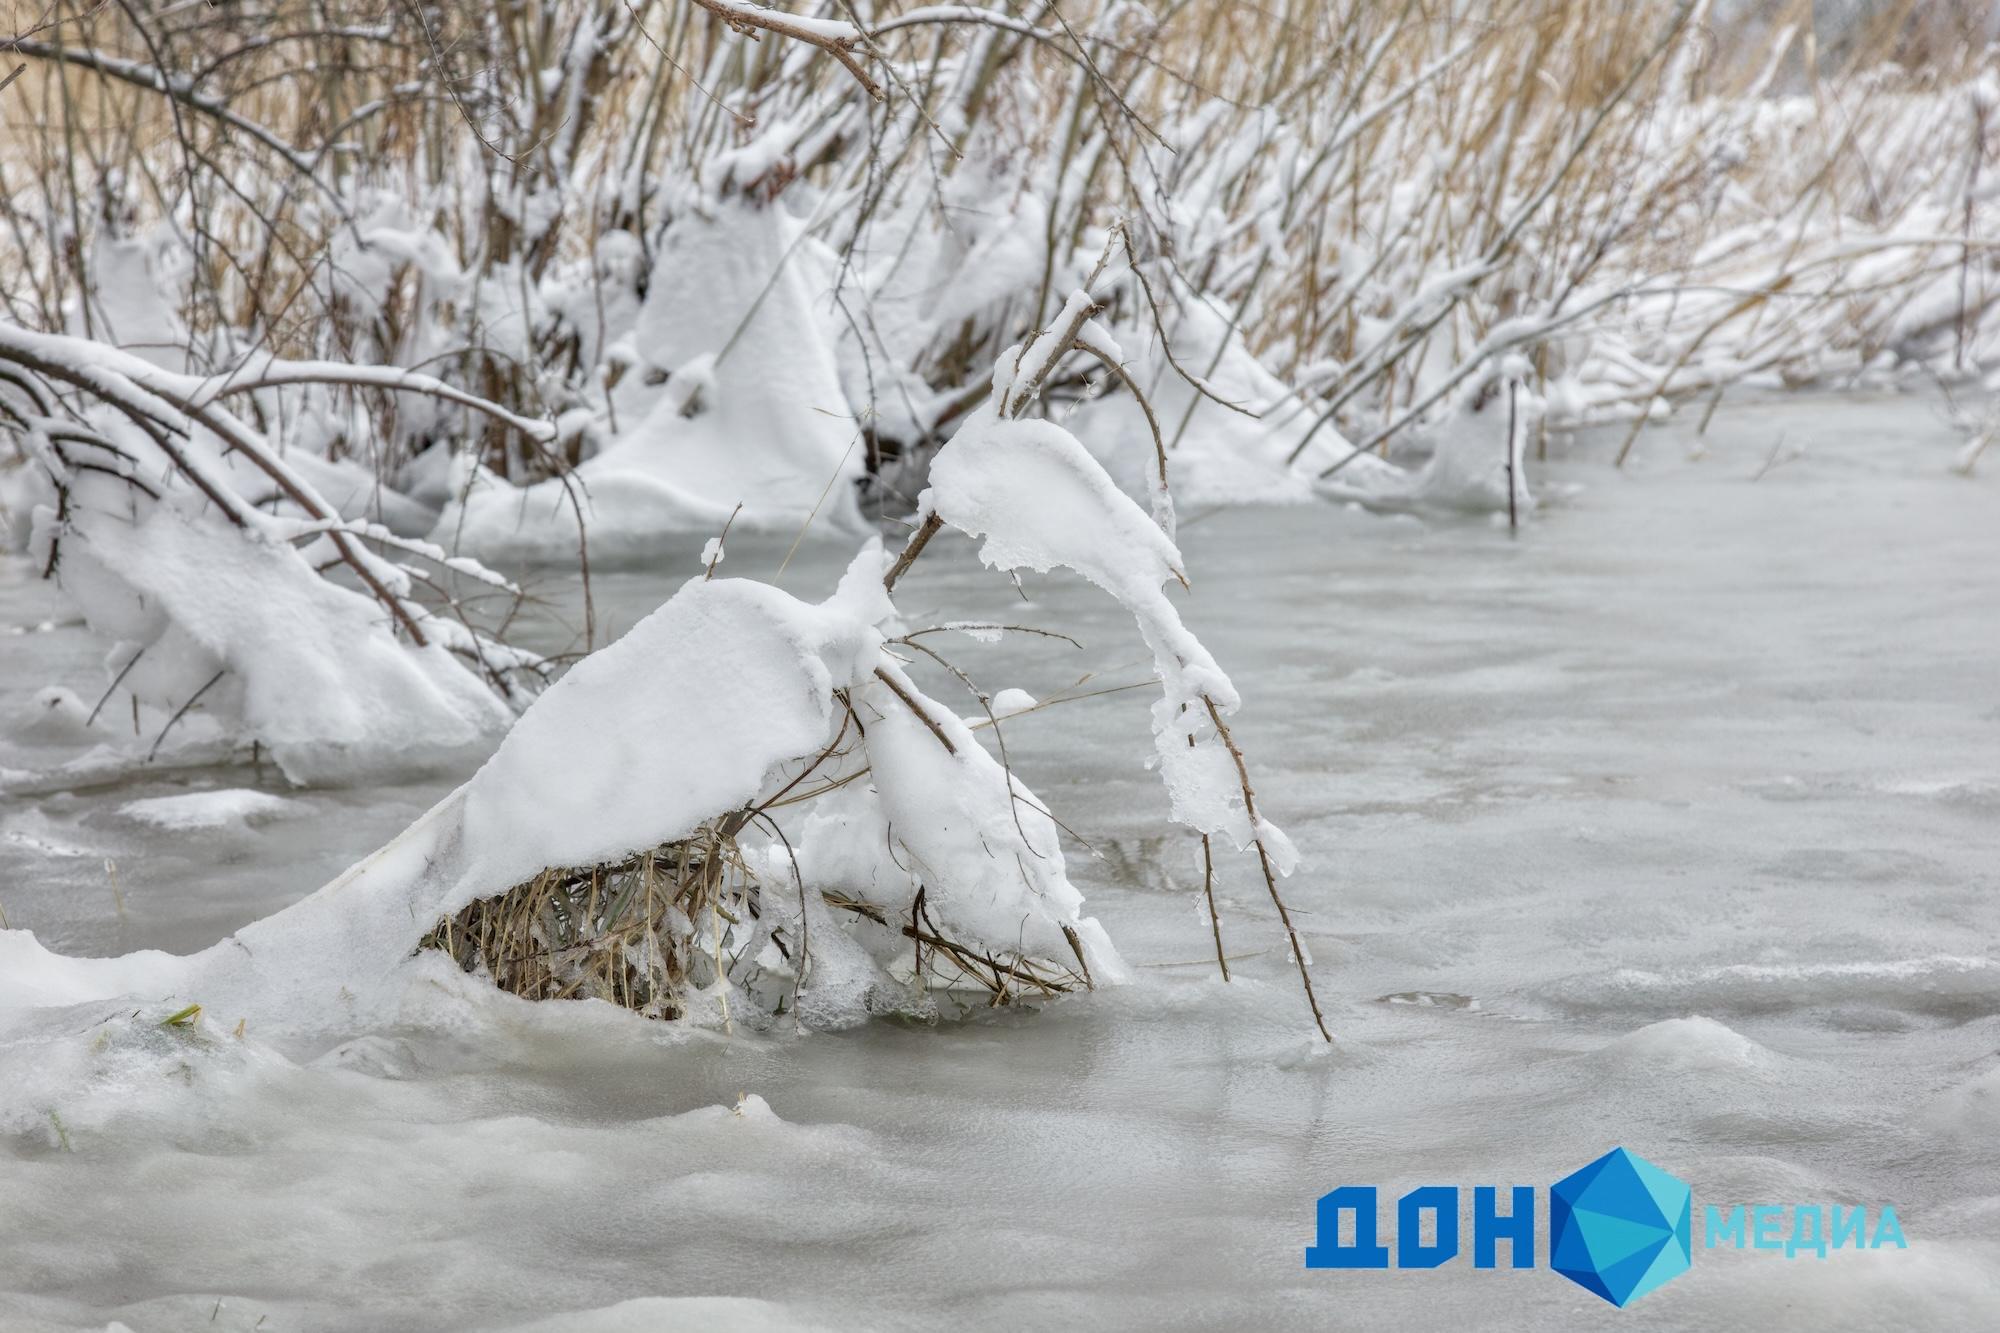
(1386, 200)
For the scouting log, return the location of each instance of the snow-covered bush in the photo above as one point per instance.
(635, 809)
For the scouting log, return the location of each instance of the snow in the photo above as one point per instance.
(738, 321)
(1037, 500)
(1663, 815)
(1473, 459)
(302, 665)
(1011, 701)
(1215, 455)
(982, 845)
(209, 809)
(1676, 806)
(54, 716)
(128, 309)
(1679, 1047)
(180, 553)
(685, 717)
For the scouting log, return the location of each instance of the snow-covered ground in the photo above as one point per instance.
(1668, 822)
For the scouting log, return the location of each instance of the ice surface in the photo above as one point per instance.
(1678, 808)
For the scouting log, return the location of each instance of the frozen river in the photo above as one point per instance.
(1672, 821)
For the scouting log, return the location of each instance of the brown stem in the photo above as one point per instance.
(1026, 391)
(1512, 521)
(916, 708)
(1159, 443)
(1011, 406)
(918, 540)
(181, 712)
(1264, 861)
(747, 20)
(1208, 889)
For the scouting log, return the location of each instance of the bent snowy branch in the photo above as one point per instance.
(1036, 499)
(201, 561)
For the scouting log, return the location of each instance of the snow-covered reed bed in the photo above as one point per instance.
(316, 314)
(661, 228)
(548, 280)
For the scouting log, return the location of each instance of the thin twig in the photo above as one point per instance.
(916, 708)
(181, 712)
(1264, 862)
(1208, 890)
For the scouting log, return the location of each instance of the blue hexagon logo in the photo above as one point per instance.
(1620, 1227)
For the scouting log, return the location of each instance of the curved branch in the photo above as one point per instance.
(836, 39)
(181, 89)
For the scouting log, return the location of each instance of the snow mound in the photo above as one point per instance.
(687, 719)
(241, 622)
(1684, 1045)
(751, 409)
(1217, 456)
(210, 809)
(55, 716)
(1972, 1109)
(686, 716)
(984, 847)
(677, 722)
(1477, 453)
(1011, 701)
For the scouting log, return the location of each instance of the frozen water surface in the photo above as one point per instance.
(1669, 822)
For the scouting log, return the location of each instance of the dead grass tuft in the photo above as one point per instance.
(645, 933)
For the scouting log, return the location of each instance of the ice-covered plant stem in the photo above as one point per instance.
(1038, 499)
